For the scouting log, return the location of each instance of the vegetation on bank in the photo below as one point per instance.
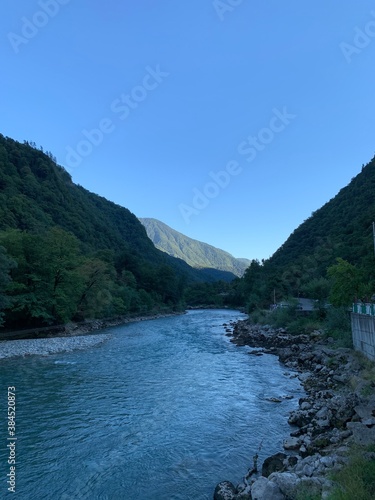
(357, 478)
(68, 254)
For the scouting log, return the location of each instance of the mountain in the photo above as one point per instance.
(71, 254)
(343, 226)
(195, 253)
(333, 246)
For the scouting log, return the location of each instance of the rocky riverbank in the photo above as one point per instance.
(337, 411)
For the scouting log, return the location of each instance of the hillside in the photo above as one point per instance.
(193, 252)
(73, 254)
(342, 228)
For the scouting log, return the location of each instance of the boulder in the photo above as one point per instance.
(225, 491)
(287, 482)
(362, 434)
(291, 443)
(263, 489)
(275, 463)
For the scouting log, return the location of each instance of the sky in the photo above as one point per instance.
(229, 120)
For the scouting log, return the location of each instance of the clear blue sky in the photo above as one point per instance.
(279, 95)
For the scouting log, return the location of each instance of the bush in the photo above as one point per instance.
(337, 325)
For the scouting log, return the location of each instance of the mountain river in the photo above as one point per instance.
(163, 410)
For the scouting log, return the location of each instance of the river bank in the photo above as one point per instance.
(337, 412)
(65, 338)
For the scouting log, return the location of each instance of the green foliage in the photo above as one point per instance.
(209, 294)
(336, 238)
(337, 325)
(6, 264)
(73, 255)
(347, 283)
(356, 480)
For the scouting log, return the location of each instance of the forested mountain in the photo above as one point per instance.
(71, 254)
(335, 241)
(195, 253)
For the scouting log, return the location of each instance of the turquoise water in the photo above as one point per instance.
(163, 410)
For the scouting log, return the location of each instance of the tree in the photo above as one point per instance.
(6, 264)
(347, 283)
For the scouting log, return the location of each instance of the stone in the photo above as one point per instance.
(287, 482)
(363, 411)
(362, 434)
(225, 491)
(322, 413)
(328, 461)
(298, 418)
(303, 377)
(275, 463)
(323, 423)
(263, 489)
(291, 443)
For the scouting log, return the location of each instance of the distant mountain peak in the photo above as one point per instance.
(195, 253)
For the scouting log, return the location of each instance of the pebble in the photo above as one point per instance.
(43, 347)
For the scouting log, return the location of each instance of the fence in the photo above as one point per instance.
(363, 332)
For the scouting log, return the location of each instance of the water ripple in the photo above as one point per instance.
(164, 409)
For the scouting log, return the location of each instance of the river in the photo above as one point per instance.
(163, 410)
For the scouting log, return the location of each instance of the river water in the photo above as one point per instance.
(164, 409)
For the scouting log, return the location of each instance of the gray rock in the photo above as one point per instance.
(287, 482)
(225, 491)
(323, 423)
(275, 463)
(263, 489)
(304, 376)
(328, 461)
(363, 411)
(291, 443)
(341, 379)
(362, 434)
(323, 413)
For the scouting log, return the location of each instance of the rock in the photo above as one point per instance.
(225, 491)
(263, 489)
(274, 400)
(328, 461)
(291, 443)
(323, 423)
(287, 482)
(275, 463)
(304, 376)
(362, 434)
(364, 411)
(323, 413)
(341, 379)
(243, 491)
(305, 406)
(298, 418)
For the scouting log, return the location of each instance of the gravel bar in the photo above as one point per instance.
(43, 347)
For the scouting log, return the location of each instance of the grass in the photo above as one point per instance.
(356, 480)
